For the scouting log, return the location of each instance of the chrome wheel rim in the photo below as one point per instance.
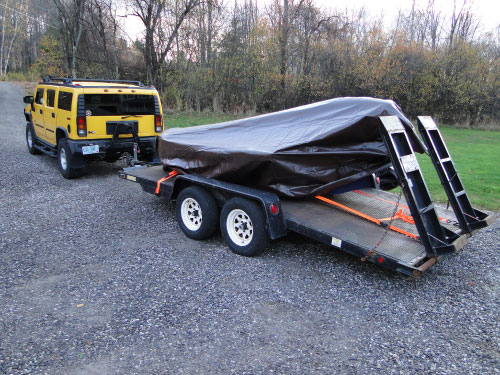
(239, 227)
(62, 158)
(29, 139)
(191, 214)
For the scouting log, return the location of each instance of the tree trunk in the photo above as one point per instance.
(77, 33)
(115, 54)
(283, 41)
(7, 57)
(2, 42)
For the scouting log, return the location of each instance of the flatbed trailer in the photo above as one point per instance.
(404, 232)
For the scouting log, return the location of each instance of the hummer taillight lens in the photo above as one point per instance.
(81, 126)
(158, 124)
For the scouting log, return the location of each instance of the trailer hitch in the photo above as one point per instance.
(128, 128)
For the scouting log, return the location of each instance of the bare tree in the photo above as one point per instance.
(434, 24)
(283, 16)
(162, 20)
(71, 18)
(4, 13)
(103, 20)
(463, 23)
(13, 13)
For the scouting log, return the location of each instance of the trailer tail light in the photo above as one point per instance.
(81, 126)
(378, 180)
(274, 208)
(158, 124)
(380, 260)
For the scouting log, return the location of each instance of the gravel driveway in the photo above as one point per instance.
(96, 278)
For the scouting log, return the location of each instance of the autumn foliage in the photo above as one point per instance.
(204, 55)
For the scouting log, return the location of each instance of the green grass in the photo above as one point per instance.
(185, 119)
(475, 154)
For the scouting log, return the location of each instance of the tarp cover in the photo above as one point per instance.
(297, 152)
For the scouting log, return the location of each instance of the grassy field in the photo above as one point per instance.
(475, 154)
(185, 119)
(473, 151)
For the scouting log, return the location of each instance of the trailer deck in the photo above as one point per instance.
(334, 226)
(354, 234)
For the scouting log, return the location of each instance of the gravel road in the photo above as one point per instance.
(96, 278)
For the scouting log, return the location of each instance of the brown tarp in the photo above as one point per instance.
(297, 152)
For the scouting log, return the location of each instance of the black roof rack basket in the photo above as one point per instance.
(69, 80)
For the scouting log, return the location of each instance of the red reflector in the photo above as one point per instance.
(106, 90)
(274, 208)
(380, 260)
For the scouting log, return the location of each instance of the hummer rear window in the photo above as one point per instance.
(118, 105)
(64, 101)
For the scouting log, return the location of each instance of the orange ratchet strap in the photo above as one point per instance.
(400, 215)
(170, 175)
(364, 216)
(348, 209)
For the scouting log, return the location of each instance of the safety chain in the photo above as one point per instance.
(371, 252)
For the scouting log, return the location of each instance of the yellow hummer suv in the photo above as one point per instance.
(79, 119)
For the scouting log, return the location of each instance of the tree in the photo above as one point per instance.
(283, 17)
(463, 23)
(162, 20)
(105, 38)
(71, 18)
(11, 20)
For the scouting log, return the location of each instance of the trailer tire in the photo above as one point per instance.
(66, 160)
(31, 140)
(197, 213)
(243, 227)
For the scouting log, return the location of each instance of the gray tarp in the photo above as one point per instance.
(298, 152)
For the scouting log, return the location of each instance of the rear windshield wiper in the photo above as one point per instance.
(127, 116)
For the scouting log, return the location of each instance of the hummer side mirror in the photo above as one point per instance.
(28, 99)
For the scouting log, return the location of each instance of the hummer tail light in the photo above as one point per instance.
(158, 124)
(81, 126)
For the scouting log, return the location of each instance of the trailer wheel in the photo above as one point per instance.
(243, 227)
(197, 213)
(31, 140)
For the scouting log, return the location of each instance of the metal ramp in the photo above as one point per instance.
(469, 218)
(436, 238)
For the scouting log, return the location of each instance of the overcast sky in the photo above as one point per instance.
(487, 10)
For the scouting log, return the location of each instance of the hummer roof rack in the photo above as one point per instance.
(69, 80)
